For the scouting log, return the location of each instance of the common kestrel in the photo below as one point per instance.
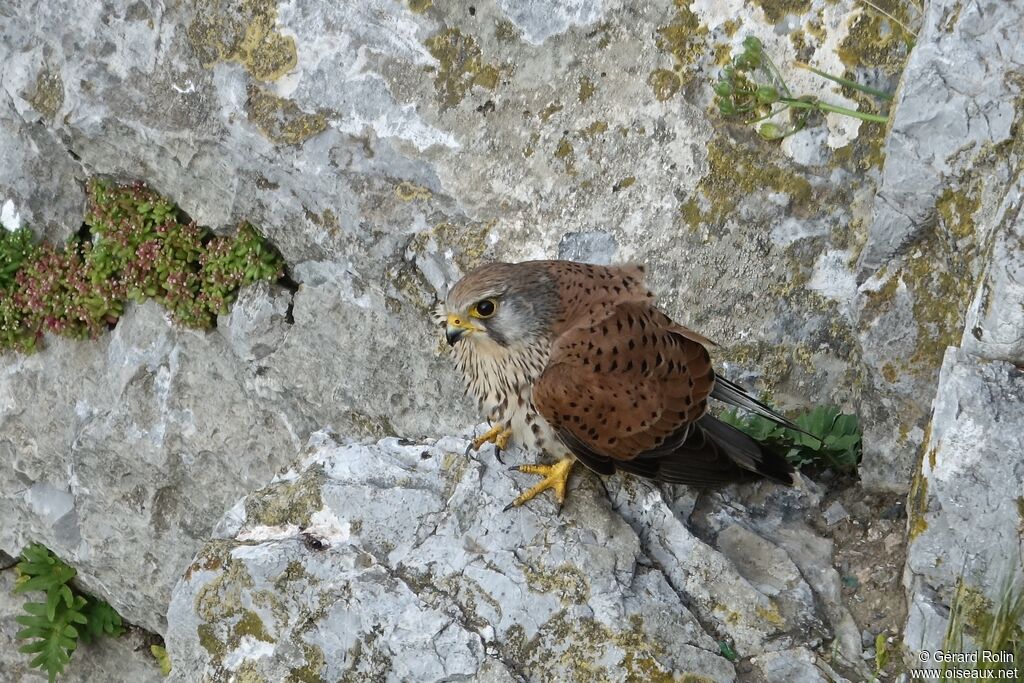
(575, 360)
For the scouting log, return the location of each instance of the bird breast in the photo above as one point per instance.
(501, 379)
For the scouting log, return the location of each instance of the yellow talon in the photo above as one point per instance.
(498, 435)
(556, 478)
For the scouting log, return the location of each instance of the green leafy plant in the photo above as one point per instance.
(139, 246)
(839, 446)
(751, 89)
(55, 627)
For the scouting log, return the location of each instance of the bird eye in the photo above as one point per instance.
(484, 309)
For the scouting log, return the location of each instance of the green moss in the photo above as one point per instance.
(566, 581)
(587, 89)
(48, 95)
(244, 32)
(209, 642)
(250, 624)
(286, 502)
(776, 10)
(281, 120)
(956, 210)
(736, 171)
(461, 66)
(874, 42)
(683, 39)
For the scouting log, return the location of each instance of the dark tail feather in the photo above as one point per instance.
(746, 452)
(733, 394)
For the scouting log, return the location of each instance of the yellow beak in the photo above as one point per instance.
(457, 326)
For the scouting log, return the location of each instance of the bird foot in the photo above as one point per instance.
(556, 478)
(498, 435)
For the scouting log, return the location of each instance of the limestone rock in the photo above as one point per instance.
(995, 321)
(948, 194)
(106, 470)
(965, 505)
(396, 560)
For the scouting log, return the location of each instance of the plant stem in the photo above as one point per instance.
(825, 106)
(847, 82)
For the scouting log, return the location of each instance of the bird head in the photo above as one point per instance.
(499, 303)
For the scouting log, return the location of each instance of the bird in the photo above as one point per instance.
(576, 361)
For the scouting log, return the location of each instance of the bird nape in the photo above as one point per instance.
(576, 361)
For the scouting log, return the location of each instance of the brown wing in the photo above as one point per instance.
(627, 390)
(624, 381)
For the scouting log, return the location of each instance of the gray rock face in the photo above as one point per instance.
(395, 560)
(956, 101)
(965, 506)
(995, 321)
(113, 492)
(944, 220)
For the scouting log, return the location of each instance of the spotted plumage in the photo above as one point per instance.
(577, 361)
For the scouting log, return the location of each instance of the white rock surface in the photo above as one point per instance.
(395, 560)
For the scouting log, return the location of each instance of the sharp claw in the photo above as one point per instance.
(514, 468)
(508, 507)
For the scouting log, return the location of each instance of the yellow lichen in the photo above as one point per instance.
(889, 373)
(48, 95)
(683, 40)
(550, 110)
(665, 83)
(408, 192)
(250, 624)
(917, 505)
(770, 614)
(566, 581)
(564, 153)
(286, 502)
(461, 66)
(420, 6)
(587, 89)
(281, 120)
(244, 32)
(593, 130)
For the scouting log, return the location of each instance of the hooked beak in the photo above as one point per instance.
(457, 326)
